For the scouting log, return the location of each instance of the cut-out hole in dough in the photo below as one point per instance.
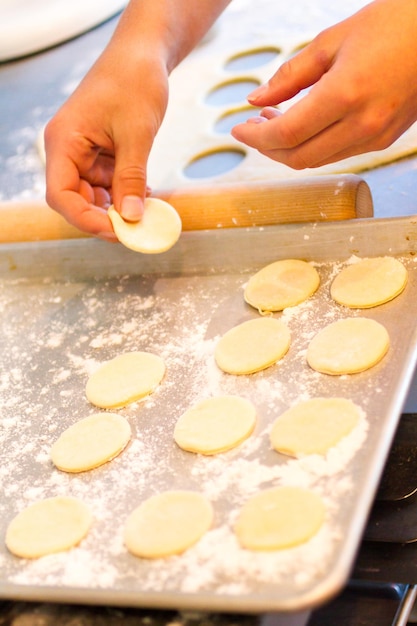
(250, 59)
(279, 518)
(215, 425)
(231, 92)
(49, 526)
(314, 426)
(228, 120)
(90, 442)
(214, 163)
(168, 523)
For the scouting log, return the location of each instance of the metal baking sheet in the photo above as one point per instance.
(68, 306)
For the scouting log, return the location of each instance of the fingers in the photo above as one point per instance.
(305, 120)
(296, 74)
(129, 185)
(82, 204)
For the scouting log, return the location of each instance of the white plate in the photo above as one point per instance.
(29, 26)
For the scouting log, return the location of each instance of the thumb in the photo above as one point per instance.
(129, 184)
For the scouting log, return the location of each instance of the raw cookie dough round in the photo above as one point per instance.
(157, 231)
(348, 346)
(281, 284)
(279, 518)
(252, 346)
(369, 282)
(125, 379)
(90, 442)
(168, 523)
(314, 426)
(215, 425)
(48, 526)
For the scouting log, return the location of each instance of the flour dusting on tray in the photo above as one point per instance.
(65, 330)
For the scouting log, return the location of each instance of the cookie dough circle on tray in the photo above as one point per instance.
(52, 525)
(314, 426)
(157, 231)
(90, 442)
(215, 425)
(369, 282)
(279, 518)
(125, 379)
(348, 346)
(252, 346)
(281, 284)
(168, 523)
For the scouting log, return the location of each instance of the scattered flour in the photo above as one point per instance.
(70, 330)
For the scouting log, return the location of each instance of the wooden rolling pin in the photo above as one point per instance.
(261, 203)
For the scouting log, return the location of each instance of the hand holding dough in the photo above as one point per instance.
(157, 231)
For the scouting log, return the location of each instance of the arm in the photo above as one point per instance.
(363, 78)
(98, 143)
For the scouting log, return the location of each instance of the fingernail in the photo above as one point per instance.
(131, 208)
(257, 93)
(256, 120)
(107, 236)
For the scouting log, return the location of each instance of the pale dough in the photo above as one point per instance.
(314, 426)
(369, 282)
(189, 127)
(157, 231)
(125, 379)
(48, 526)
(348, 346)
(252, 346)
(168, 523)
(215, 425)
(90, 442)
(281, 284)
(279, 518)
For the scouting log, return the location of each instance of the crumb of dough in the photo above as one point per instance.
(279, 518)
(252, 346)
(215, 425)
(348, 346)
(168, 523)
(157, 231)
(281, 284)
(369, 282)
(314, 426)
(91, 442)
(52, 525)
(125, 379)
